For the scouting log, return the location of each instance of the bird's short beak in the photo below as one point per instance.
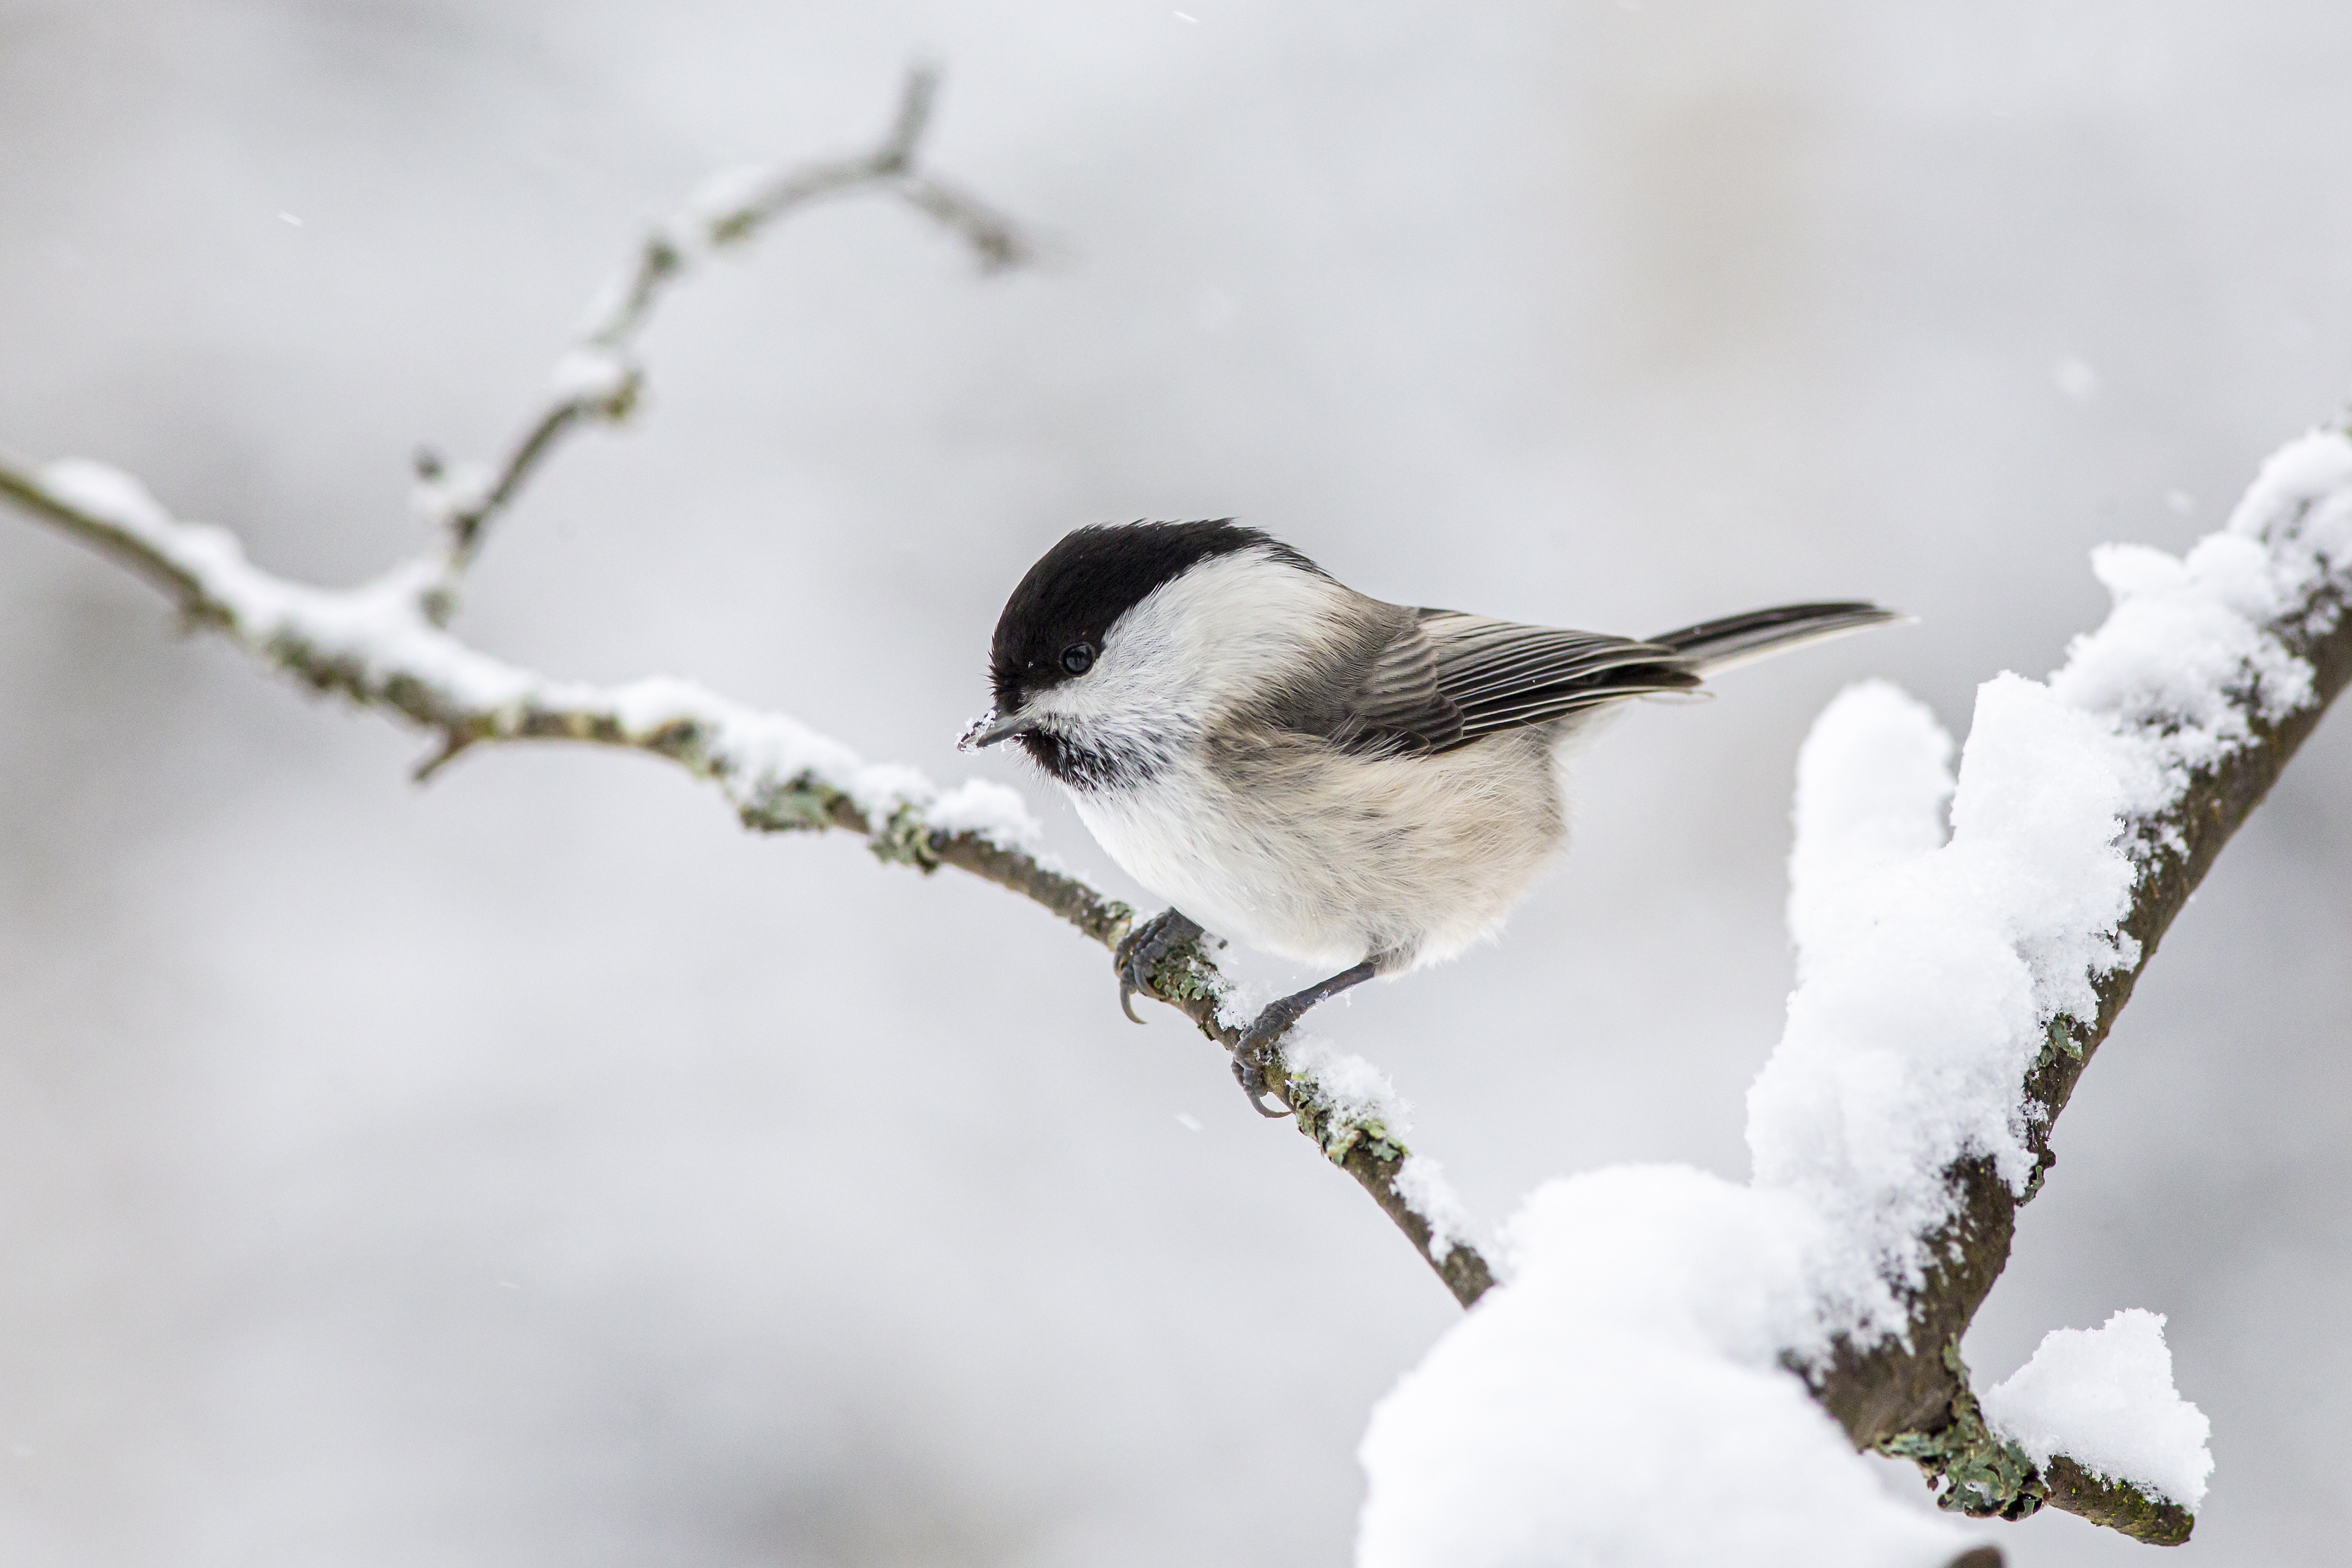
(988, 729)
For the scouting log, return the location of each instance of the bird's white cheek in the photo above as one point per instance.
(1114, 708)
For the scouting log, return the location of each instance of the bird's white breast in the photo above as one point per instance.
(1327, 859)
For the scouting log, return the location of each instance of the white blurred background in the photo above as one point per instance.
(534, 1169)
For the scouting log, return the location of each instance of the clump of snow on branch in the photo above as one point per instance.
(2103, 1397)
(987, 809)
(1625, 1398)
(379, 644)
(1350, 1087)
(1872, 792)
(722, 203)
(2188, 644)
(1620, 1401)
(114, 495)
(459, 489)
(590, 375)
(1928, 971)
(1420, 1182)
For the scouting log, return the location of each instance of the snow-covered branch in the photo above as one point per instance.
(1349, 1109)
(386, 646)
(599, 379)
(1676, 1355)
(1638, 1391)
(2113, 791)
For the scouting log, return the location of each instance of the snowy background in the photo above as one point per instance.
(534, 1169)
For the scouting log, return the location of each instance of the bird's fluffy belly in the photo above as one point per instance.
(1281, 843)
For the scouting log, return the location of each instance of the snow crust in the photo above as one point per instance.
(380, 633)
(1930, 971)
(589, 375)
(1420, 1182)
(1626, 1397)
(722, 200)
(2103, 1397)
(1363, 1098)
(2186, 642)
(987, 809)
(1618, 1405)
(1873, 787)
(1348, 1086)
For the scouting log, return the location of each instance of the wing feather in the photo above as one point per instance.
(1446, 678)
(1401, 705)
(1439, 679)
(1503, 675)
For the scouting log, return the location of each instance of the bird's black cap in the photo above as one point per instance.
(1083, 585)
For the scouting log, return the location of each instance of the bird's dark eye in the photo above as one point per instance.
(1078, 658)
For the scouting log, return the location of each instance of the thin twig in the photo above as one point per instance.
(598, 380)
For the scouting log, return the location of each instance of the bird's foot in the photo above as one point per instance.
(1140, 952)
(1254, 1054)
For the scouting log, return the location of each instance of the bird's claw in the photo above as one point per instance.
(1254, 1054)
(1141, 951)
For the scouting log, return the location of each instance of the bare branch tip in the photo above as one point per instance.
(1002, 249)
(914, 104)
(453, 746)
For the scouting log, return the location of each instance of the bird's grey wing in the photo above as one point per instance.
(1448, 678)
(1500, 674)
(1398, 703)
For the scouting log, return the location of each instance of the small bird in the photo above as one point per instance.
(1342, 781)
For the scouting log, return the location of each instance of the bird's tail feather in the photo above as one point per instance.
(1713, 646)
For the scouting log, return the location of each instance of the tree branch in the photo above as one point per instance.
(599, 381)
(1911, 1394)
(384, 646)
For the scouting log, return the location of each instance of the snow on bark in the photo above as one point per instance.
(1350, 1088)
(1619, 1401)
(1420, 1181)
(1928, 981)
(379, 642)
(1633, 1394)
(2103, 1397)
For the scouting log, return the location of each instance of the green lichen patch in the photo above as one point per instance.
(798, 805)
(1984, 1476)
(1185, 979)
(904, 840)
(2118, 1505)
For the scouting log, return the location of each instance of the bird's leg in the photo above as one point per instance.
(1141, 951)
(1255, 1050)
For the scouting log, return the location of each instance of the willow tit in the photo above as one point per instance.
(1342, 781)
